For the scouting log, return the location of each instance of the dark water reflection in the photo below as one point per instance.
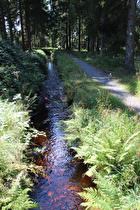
(63, 179)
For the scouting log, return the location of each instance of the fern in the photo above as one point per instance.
(109, 197)
(19, 201)
(14, 139)
(106, 138)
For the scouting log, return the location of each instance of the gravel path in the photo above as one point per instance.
(116, 89)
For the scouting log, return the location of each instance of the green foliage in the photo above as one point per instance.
(20, 72)
(107, 140)
(105, 135)
(14, 167)
(21, 77)
(20, 200)
(109, 196)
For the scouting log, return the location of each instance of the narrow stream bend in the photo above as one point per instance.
(59, 188)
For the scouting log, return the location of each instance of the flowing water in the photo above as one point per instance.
(63, 173)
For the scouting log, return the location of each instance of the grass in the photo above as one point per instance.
(115, 66)
(105, 135)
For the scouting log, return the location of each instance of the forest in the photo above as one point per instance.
(105, 34)
(109, 27)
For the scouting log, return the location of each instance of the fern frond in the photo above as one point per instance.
(20, 201)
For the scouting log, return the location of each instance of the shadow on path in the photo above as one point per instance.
(117, 90)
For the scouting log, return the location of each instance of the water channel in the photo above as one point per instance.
(63, 173)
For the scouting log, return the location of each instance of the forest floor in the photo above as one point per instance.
(105, 79)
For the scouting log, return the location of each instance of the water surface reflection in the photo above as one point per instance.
(63, 180)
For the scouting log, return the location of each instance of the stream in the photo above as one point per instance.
(63, 179)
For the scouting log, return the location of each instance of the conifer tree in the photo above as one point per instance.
(129, 55)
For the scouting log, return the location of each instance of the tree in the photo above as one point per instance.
(22, 26)
(10, 20)
(129, 55)
(3, 24)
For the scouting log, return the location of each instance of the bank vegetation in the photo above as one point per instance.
(105, 135)
(21, 76)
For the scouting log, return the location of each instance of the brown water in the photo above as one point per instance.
(63, 173)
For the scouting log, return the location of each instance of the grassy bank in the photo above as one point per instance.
(21, 76)
(114, 64)
(107, 137)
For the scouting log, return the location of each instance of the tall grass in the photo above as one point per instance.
(106, 135)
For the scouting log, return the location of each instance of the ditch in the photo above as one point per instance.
(64, 174)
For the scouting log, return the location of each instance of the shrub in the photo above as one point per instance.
(20, 72)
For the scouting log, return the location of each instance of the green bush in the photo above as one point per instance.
(20, 72)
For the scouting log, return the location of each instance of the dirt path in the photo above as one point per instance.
(116, 89)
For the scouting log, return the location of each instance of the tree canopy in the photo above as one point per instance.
(96, 25)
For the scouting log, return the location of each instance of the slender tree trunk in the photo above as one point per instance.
(88, 47)
(102, 35)
(66, 35)
(72, 38)
(22, 27)
(91, 44)
(9, 21)
(27, 17)
(101, 50)
(69, 36)
(129, 54)
(3, 24)
(79, 45)
(97, 43)
(69, 15)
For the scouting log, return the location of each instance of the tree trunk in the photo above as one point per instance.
(88, 47)
(69, 15)
(69, 36)
(129, 54)
(102, 35)
(79, 45)
(97, 43)
(4, 34)
(22, 27)
(91, 48)
(9, 21)
(101, 50)
(72, 38)
(66, 35)
(27, 18)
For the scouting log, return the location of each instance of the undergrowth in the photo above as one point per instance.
(20, 72)
(106, 137)
(15, 136)
(21, 76)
